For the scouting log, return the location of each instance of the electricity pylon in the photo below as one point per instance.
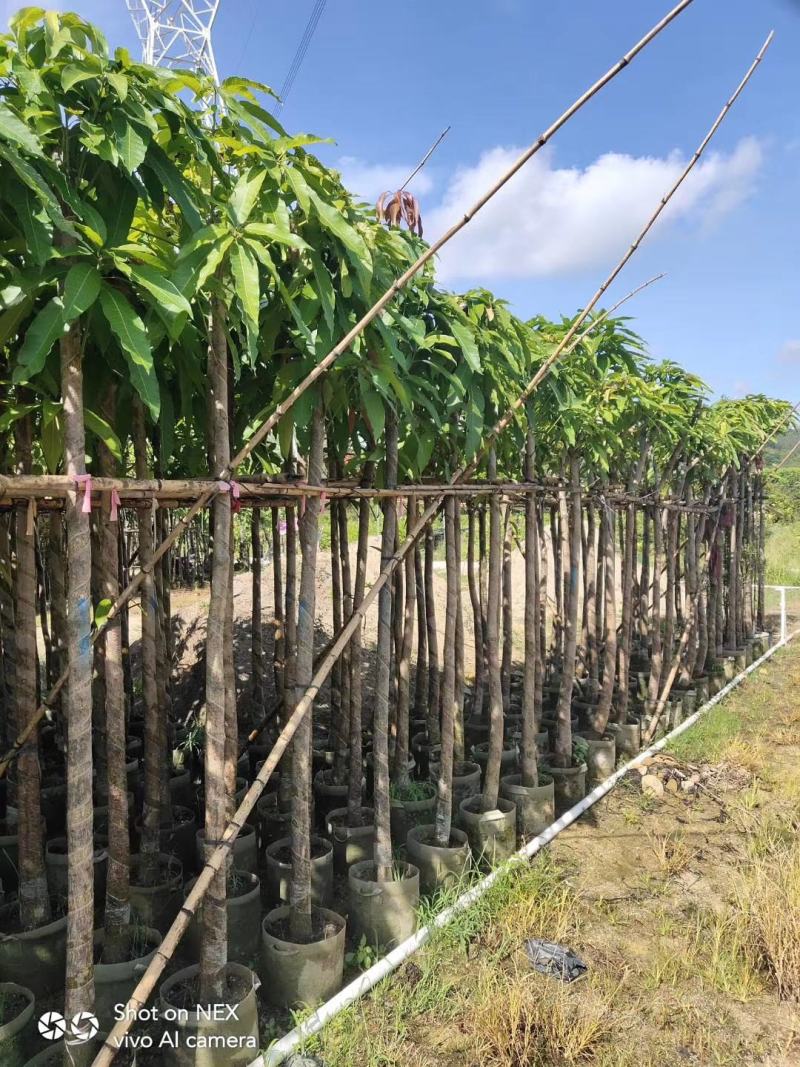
(176, 33)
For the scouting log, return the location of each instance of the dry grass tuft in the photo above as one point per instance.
(671, 851)
(526, 1020)
(769, 901)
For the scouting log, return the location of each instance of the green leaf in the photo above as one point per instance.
(131, 145)
(245, 194)
(375, 411)
(40, 337)
(12, 128)
(81, 289)
(466, 341)
(118, 211)
(52, 440)
(13, 413)
(244, 269)
(72, 74)
(120, 84)
(168, 297)
(275, 233)
(172, 180)
(131, 333)
(38, 232)
(100, 428)
(101, 612)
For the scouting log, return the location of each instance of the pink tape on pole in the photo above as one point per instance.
(235, 489)
(322, 499)
(116, 503)
(84, 481)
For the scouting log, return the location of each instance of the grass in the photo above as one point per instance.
(783, 554)
(686, 911)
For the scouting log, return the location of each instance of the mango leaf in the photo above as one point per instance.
(275, 233)
(101, 612)
(375, 411)
(244, 195)
(131, 144)
(172, 180)
(40, 337)
(120, 84)
(131, 333)
(244, 269)
(13, 413)
(72, 74)
(12, 128)
(466, 341)
(52, 438)
(81, 289)
(38, 231)
(168, 297)
(100, 428)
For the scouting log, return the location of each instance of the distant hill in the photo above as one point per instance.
(776, 450)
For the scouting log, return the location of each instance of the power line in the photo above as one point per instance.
(302, 48)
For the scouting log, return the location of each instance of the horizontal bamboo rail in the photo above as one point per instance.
(214, 864)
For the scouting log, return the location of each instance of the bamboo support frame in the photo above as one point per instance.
(165, 951)
(345, 343)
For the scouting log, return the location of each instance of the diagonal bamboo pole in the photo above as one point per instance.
(322, 368)
(173, 936)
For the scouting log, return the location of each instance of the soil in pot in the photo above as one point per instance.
(156, 899)
(34, 958)
(302, 974)
(351, 844)
(438, 867)
(508, 758)
(535, 804)
(383, 913)
(245, 849)
(114, 982)
(569, 785)
(243, 904)
(240, 1032)
(411, 805)
(278, 869)
(601, 756)
(328, 795)
(627, 736)
(492, 833)
(17, 1005)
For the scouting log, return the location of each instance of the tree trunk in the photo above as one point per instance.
(590, 613)
(300, 887)
(214, 942)
(380, 722)
(608, 542)
(78, 703)
(118, 907)
(528, 758)
(154, 752)
(356, 646)
(445, 784)
(34, 899)
(508, 628)
(434, 695)
(256, 624)
(477, 618)
(491, 784)
(404, 664)
(571, 549)
(278, 654)
(421, 677)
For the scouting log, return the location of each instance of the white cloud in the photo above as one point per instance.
(789, 353)
(369, 180)
(551, 220)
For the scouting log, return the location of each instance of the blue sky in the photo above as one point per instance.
(385, 79)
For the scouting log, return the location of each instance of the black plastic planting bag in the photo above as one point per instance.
(555, 960)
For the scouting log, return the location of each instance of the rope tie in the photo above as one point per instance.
(116, 503)
(235, 490)
(84, 481)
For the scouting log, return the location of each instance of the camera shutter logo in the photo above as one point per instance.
(52, 1025)
(84, 1026)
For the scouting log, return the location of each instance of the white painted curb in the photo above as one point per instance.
(290, 1042)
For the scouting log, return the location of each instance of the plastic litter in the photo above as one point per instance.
(555, 960)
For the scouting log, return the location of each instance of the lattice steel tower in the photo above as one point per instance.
(176, 33)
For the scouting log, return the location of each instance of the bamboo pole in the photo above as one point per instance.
(173, 936)
(356, 331)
